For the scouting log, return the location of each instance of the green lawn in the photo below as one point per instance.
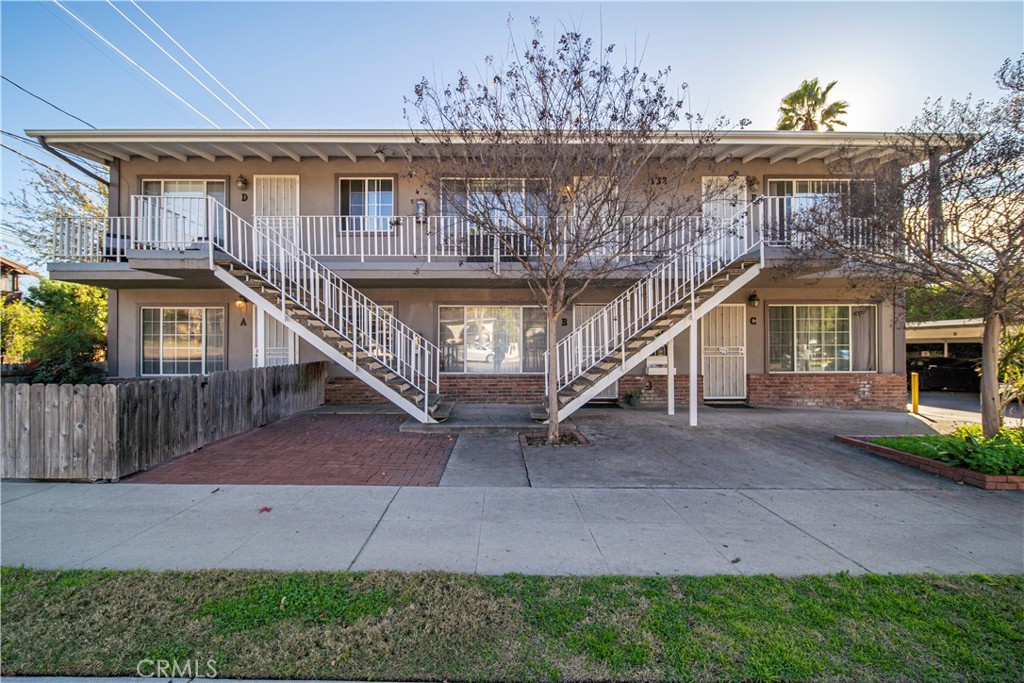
(966, 447)
(434, 626)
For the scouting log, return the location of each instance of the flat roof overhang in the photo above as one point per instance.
(104, 146)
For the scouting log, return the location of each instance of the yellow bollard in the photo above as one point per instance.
(915, 391)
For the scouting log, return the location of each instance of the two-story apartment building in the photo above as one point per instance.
(325, 246)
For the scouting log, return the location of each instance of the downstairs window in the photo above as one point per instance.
(182, 341)
(822, 338)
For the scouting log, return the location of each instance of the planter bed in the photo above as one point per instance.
(530, 439)
(989, 482)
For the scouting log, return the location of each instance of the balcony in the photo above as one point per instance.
(173, 224)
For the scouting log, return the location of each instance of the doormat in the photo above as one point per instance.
(729, 405)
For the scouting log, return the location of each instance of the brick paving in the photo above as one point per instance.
(314, 449)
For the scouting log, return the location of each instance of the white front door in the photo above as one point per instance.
(581, 313)
(276, 203)
(275, 207)
(725, 352)
(723, 199)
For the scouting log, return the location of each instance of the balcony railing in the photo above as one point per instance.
(162, 223)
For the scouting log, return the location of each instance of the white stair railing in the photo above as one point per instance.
(719, 244)
(301, 279)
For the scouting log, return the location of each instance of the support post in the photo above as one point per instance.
(672, 376)
(693, 372)
(260, 346)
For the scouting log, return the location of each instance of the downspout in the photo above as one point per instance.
(68, 160)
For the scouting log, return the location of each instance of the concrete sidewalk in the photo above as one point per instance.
(498, 530)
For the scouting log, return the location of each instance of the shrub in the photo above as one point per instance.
(966, 447)
(71, 331)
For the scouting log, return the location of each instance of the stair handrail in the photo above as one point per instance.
(663, 289)
(299, 277)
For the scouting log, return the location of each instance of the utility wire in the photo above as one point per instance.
(205, 70)
(135, 64)
(47, 166)
(46, 101)
(179, 64)
(29, 141)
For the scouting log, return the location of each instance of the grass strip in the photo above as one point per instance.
(439, 626)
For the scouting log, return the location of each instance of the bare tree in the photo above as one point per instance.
(568, 167)
(48, 195)
(947, 208)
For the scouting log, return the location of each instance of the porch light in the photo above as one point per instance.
(241, 183)
(753, 301)
(241, 303)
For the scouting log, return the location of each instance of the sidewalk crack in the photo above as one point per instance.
(374, 529)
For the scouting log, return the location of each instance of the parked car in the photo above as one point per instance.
(951, 374)
(477, 352)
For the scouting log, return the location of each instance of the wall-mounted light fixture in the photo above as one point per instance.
(241, 183)
(753, 301)
(241, 303)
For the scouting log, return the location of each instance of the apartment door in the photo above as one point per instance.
(581, 313)
(280, 344)
(276, 203)
(276, 208)
(723, 198)
(725, 352)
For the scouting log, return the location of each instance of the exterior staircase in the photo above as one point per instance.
(655, 310)
(290, 285)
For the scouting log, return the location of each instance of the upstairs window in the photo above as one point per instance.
(494, 197)
(367, 204)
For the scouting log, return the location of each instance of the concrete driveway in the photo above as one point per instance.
(732, 448)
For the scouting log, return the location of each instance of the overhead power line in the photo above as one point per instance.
(47, 166)
(199, 64)
(135, 64)
(46, 101)
(29, 141)
(179, 64)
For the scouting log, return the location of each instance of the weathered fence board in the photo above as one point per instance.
(108, 431)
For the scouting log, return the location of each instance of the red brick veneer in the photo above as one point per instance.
(860, 391)
(657, 393)
(865, 391)
(519, 389)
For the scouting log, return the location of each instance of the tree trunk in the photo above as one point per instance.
(552, 378)
(991, 411)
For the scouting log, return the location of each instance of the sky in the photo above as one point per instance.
(350, 64)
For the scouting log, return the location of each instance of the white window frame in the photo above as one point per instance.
(522, 344)
(162, 360)
(794, 371)
(342, 210)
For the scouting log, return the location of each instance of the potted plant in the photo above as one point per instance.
(633, 397)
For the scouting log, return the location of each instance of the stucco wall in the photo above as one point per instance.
(126, 326)
(418, 308)
(318, 181)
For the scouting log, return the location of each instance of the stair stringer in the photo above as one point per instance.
(316, 341)
(657, 342)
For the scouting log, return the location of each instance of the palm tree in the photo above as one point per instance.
(805, 108)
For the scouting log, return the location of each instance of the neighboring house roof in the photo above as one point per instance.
(324, 144)
(936, 331)
(9, 266)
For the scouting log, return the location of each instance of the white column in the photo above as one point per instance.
(693, 373)
(260, 338)
(672, 376)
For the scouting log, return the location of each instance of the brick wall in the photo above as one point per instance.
(826, 390)
(656, 394)
(520, 389)
(830, 390)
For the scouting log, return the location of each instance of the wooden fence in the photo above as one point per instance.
(107, 431)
